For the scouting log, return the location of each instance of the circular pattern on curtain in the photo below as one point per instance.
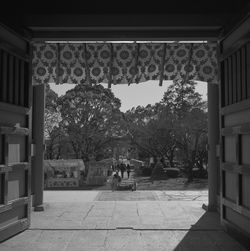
(123, 63)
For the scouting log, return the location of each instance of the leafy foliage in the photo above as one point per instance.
(87, 118)
(90, 117)
(177, 123)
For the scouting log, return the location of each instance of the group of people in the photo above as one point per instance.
(116, 179)
(122, 168)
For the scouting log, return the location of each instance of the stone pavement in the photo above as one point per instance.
(123, 220)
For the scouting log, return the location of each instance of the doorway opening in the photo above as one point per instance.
(160, 142)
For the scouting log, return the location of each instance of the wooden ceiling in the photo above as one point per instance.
(124, 6)
(123, 20)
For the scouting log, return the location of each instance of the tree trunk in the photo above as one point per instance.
(193, 157)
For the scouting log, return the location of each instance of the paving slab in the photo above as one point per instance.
(121, 240)
(148, 221)
(126, 196)
(69, 196)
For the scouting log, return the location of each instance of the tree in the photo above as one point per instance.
(190, 121)
(90, 117)
(51, 121)
(178, 121)
(151, 130)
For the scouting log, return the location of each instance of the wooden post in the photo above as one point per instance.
(38, 139)
(213, 141)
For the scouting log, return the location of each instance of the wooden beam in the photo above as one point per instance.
(243, 105)
(125, 35)
(92, 21)
(13, 108)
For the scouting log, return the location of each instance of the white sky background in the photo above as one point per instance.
(136, 94)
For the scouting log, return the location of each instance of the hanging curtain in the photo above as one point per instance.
(123, 63)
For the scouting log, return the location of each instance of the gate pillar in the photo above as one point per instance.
(38, 140)
(213, 141)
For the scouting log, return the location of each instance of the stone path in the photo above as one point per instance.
(145, 183)
(124, 221)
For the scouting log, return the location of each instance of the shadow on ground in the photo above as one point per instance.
(207, 234)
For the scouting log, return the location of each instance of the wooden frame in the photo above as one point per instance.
(15, 126)
(235, 125)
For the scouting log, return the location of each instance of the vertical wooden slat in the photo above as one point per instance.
(1, 72)
(240, 183)
(21, 84)
(30, 87)
(10, 79)
(226, 93)
(28, 152)
(230, 84)
(238, 75)
(248, 68)
(243, 73)
(238, 157)
(16, 82)
(4, 77)
(29, 137)
(2, 184)
(26, 83)
(6, 176)
(223, 182)
(234, 76)
(222, 84)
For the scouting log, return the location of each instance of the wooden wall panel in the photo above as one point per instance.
(16, 81)
(226, 83)
(237, 219)
(12, 119)
(1, 149)
(11, 79)
(21, 84)
(234, 78)
(17, 151)
(1, 71)
(235, 135)
(238, 77)
(230, 186)
(245, 191)
(248, 69)
(230, 81)
(243, 73)
(4, 81)
(237, 118)
(12, 216)
(2, 180)
(245, 150)
(230, 149)
(15, 104)
(16, 184)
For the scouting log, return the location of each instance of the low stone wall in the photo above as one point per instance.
(62, 182)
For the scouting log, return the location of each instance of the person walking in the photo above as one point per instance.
(115, 181)
(122, 168)
(128, 170)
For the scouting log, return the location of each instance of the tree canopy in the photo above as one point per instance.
(177, 123)
(90, 117)
(87, 118)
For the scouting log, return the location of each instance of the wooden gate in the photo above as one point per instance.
(235, 131)
(15, 124)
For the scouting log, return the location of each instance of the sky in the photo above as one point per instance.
(136, 94)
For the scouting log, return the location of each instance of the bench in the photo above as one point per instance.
(127, 184)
